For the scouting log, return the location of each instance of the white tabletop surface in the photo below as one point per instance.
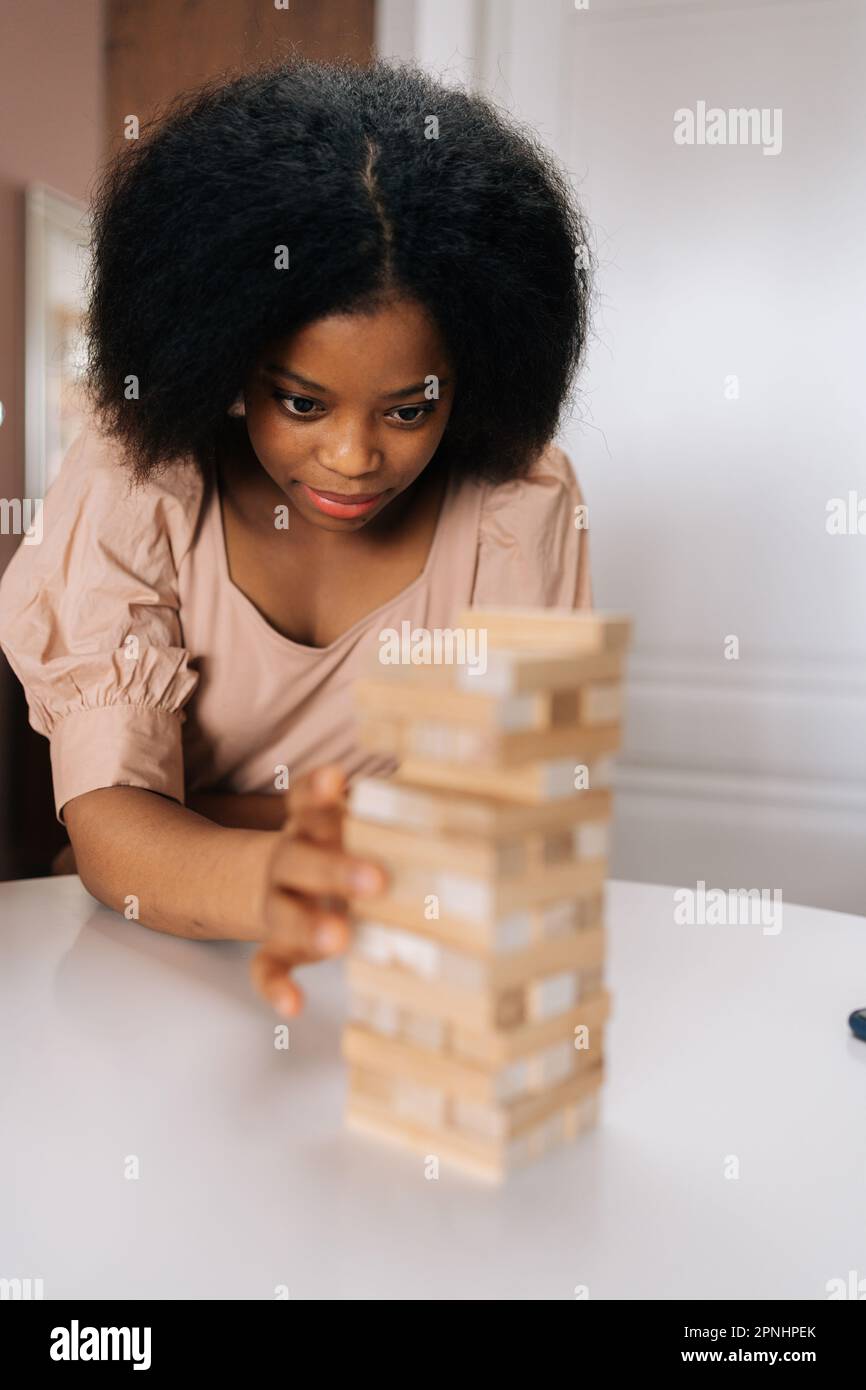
(724, 1041)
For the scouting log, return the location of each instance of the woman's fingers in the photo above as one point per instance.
(301, 930)
(272, 980)
(298, 932)
(309, 868)
(317, 803)
(310, 879)
(321, 824)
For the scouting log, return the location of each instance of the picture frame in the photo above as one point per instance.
(57, 263)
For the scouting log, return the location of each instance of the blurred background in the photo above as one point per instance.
(719, 427)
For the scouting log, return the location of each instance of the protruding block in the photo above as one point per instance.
(473, 708)
(579, 632)
(386, 801)
(505, 672)
(531, 783)
(496, 750)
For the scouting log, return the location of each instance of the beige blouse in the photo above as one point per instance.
(146, 666)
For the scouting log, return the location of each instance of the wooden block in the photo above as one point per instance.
(579, 632)
(507, 672)
(383, 944)
(422, 1103)
(487, 1048)
(553, 995)
(572, 1121)
(595, 702)
(483, 900)
(463, 854)
(531, 784)
(500, 934)
(590, 840)
(388, 802)
(381, 1015)
(569, 1109)
(500, 1003)
(475, 1010)
(495, 750)
(381, 699)
(429, 1104)
(501, 857)
(465, 1080)
(600, 702)
(376, 1121)
(509, 932)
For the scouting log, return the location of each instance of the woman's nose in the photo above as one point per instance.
(350, 452)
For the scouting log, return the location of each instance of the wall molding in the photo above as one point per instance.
(754, 791)
(827, 676)
(746, 738)
(615, 11)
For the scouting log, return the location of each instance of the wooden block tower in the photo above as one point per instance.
(477, 1001)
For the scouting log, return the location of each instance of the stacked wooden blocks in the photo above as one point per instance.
(477, 1002)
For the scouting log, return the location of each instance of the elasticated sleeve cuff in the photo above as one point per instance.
(117, 745)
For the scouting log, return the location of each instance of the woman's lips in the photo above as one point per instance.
(341, 503)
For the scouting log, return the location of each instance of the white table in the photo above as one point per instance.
(724, 1041)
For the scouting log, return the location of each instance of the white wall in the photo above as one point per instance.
(708, 514)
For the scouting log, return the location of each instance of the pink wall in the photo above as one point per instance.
(52, 131)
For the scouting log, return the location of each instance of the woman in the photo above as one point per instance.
(334, 317)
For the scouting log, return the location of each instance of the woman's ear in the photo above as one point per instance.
(237, 406)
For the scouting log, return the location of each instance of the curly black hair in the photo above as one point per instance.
(336, 163)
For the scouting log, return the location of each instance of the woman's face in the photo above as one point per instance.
(344, 415)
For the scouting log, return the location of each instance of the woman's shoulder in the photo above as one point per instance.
(532, 537)
(549, 479)
(96, 488)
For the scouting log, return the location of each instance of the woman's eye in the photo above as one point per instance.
(416, 413)
(302, 407)
(298, 405)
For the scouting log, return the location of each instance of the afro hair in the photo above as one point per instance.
(380, 181)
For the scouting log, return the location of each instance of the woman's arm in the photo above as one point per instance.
(246, 811)
(292, 890)
(190, 877)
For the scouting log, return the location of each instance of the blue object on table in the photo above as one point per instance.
(857, 1022)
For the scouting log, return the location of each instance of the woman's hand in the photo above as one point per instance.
(309, 883)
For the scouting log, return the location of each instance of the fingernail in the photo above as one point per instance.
(328, 938)
(365, 878)
(324, 780)
(286, 1004)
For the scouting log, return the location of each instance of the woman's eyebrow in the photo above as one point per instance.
(294, 376)
(316, 386)
(414, 388)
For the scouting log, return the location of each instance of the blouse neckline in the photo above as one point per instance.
(445, 507)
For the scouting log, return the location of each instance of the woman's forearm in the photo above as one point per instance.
(174, 871)
(245, 811)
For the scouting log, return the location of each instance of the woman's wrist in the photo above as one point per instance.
(233, 883)
(188, 876)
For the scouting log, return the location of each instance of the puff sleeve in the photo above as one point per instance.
(90, 622)
(533, 544)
